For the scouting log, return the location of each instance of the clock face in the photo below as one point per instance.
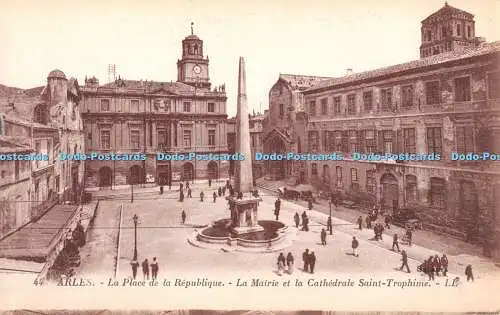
(197, 69)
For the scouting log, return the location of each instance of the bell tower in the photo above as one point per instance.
(192, 69)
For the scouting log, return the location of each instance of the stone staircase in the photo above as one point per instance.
(270, 185)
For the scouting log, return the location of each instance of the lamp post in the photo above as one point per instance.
(135, 218)
(330, 217)
(131, 192)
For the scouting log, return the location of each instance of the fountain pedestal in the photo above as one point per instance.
(244, 214)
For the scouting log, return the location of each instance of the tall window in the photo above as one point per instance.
(409, 139)
(437, 192)
(312, 108)
(313, 140)
(324, 106)
(314, 169)
(429, 36)
(469, 31)
(211, 138)
(162, 137)
(407, 92)
(135, 139)
(468, 197)
(411, 188)
(337, 136)
(105, 139)
(186, 106)
(326, 174)
(351, 103)
(386, 95)
(370, 181)
(211, 107)
(353, 141)
(370, 142)
(354, 179)
(459, 29)
(187, 138)
(494, 85)
(336, 105)
(434, 140)
(282, 110)
(368, 100)
(387, 141)
(465, 139)
(338, 172)
(462, 89)
(104, 105)
(432, 93)
(134, 106)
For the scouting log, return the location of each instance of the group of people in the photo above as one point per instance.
(145, 269)
(435, 265)
(285, 264)
(309, 259)
(305, 221)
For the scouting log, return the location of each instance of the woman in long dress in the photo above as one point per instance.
(281, 263)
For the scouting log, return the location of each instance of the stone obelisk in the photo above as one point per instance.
(244, 179)
(242, 203)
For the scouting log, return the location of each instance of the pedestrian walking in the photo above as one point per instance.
(277, 214)
(409, 236)
(368, 222)
(387, 221)
(375, 231)
(181, 186)
(305, 258)
(289, 263)
(437, 265)
(189, 193)
(355, 245)
(154, 269)
(277, 204)
(444, 264)
(296, 218)
(181, 196)
(135, 264)
(430, 268)
(360, 223)
(219, 191)
(395, 242)
(310, 204)
(305, 226)
(209, 182)
(380, 230)
(323, 237)
(161, 190)
(183, 216)
(201, 196)
(170, 185)
(281, 263)
(329, 225)
(312, 262)
(187, 185)
(145, 269)
(404, 259)
(468, 273)
(224, 191)
(215, 196)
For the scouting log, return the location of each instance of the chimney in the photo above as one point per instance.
(348, 71)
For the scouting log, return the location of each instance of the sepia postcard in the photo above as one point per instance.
(249, 157)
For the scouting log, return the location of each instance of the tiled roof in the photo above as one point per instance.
(485, 49)
(301, 82)
(447, 9)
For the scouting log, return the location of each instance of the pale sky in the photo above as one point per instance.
(143, 38)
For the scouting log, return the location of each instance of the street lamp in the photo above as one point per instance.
(330, 218)
(135, 218)
(131, 192)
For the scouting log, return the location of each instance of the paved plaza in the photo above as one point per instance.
(161, 234)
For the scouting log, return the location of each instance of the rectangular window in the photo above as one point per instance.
(105, 139)
(313, 141)
(386, 95)
(370, 142)
(135, 139)
(324, 106)
(409, 140)
(462, 89)
(211, 107)
(368, 100)
(429, 36)
(338, 172)
(312, 108)
(370, 181)
(388, 141)
(437, 193)
(411, 188)
(432, 93)
(351, 104)
(354, 174)
(134, 106)
(282, 110)
(458, 29)
(186, 106)
(58, 184)
(337, 136)
(162, 137)
(336, 105)
(211, 138)
(469, 31)
(494, 85)
(187, 138)
(105, 106)
(353, 141)
(434, 140)
(465, 139)
(407, 92)
(314, 169)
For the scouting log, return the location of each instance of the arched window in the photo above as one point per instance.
(40, 114)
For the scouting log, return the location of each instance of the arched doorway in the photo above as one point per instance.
(212, 170)
(277, 169)
(390, 192)
(135, 175)
(105, 177)
(187, 171)
(163, 174)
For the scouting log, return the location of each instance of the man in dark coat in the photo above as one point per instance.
(181, 186)
(201, 196)
(305, 224)
(395, 242)
(277, 204)
(209, 182)
(404, 259)
(189, 193)
(387, 221)
(355, 245)
(183, 216)
(312, 262)
(277, 214)
(296, 218)
(187, 185)
(368, 222)
(215, 196)
(468, 273)
(161, 190)
(145, 269)
(181, 196)
(305, 258)
(154, 269)
(135, 265)
(323, 237)
(329, 225)
(430, 268)
(360, 222)
(219, 191)
(310, 204)
(444, 264)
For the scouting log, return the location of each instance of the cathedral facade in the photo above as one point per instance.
(148, 119)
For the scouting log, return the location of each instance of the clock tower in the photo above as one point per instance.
(192, 69)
